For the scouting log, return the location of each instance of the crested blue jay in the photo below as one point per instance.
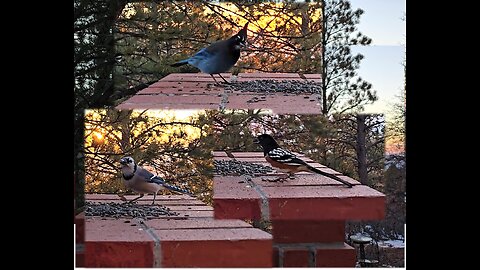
(142, 181)
(219, 56)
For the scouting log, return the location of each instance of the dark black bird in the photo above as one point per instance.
(219, 56)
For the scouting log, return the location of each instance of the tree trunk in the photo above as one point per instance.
(126, 141)
(104, 87)
(305, 29)
(104, 60)
(324, 66)
(362, 149)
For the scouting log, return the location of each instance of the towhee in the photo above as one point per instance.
(286, 161)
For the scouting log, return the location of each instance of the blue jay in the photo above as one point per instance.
(219, 56)
(142, 181)
(286, 161)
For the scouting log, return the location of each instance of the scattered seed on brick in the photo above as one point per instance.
(118, 210)
(236, 167)
(275, 86)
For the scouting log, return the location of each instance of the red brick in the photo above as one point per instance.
(91, 197)
(296, 257)
(161, 199)
(119, 254)
(300, 179)
(177, 76)
(325, 203)
(236, 208)
(260, 155)
(232, 199)
(196, 241)
(275, 257)
(153, 106)
(265, 75)
(190, 208)
(308, 231)
(232, 247)
(215, 234)
(313, 76)
(175, 99)
(80, 259)
(80, 228)
(335, 255)
(197, 223)
(194, 77)
(114, 243)
(242, 253)
(288, 201)
(329, 170)
(206, 94)
(195, 214)
(248, 154)
(217, 154)
(253, 159)
(278, 104)
(173, 88)
(223, 158)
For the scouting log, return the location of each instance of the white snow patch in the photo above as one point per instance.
(392, 243)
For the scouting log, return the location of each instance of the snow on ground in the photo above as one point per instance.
(392, 243)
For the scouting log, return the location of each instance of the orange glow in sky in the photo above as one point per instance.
(98, 135)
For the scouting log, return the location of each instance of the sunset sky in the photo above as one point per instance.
(382, 65)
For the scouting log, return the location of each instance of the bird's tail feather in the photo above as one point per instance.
(179, 63)
(177, 189)
(330, 175)
(158, 180)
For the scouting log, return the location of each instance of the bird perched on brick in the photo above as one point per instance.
(286, 161)
(219, 56)
(142, 181)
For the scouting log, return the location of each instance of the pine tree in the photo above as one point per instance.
(343, 90)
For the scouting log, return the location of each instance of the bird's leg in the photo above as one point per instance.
(154, 196)
(284, 178)
(281, 179)
(131, 201)
(216, 83)
(223, 79)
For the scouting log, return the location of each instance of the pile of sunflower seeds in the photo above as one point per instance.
(274, 86)
(117, 210)
(236, 167)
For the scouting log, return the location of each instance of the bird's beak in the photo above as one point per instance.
(243, 33)
(245, 27)
(123, 161)
(256, 140)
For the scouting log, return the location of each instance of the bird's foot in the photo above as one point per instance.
(280, 179)
(220, 84)
(128, 202)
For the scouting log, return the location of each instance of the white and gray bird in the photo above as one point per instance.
(144, 182)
